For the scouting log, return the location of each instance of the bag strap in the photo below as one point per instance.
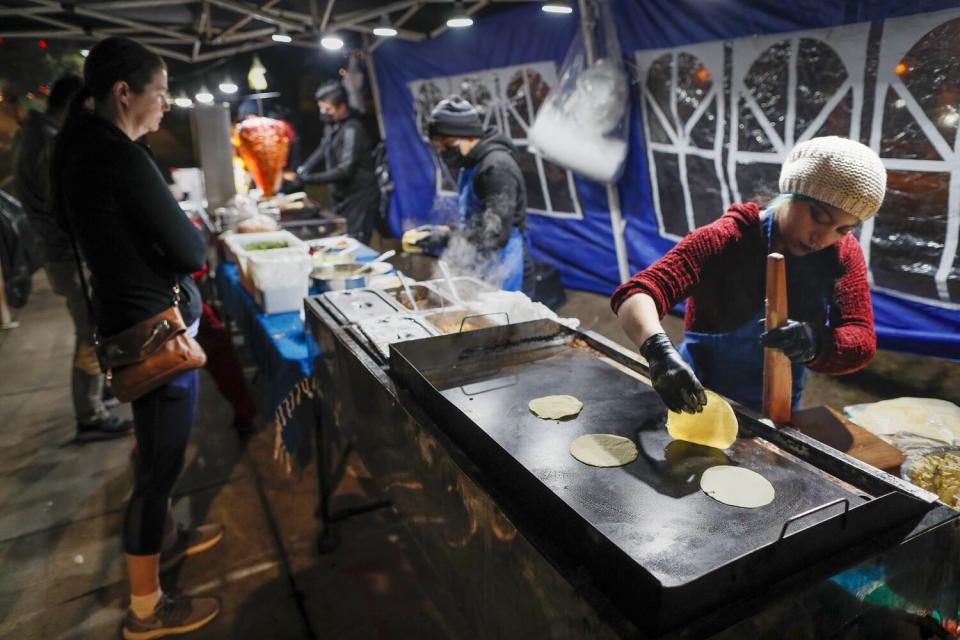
(83, 280)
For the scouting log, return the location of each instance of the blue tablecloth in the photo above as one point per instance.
(279, 345)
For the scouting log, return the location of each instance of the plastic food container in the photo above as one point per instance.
(280, 279)
(240, 246)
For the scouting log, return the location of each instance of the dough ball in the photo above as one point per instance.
(604, 450)
(555, 407)
(737, 487)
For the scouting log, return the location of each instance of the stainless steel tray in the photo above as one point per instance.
(457, 319)
(387, 330)
(351, 306)
(427, 298)
(468, 288)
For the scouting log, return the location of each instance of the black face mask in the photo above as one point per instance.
(453, 157)
(326, 118)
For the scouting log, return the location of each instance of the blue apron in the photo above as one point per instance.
(511, 256)
(731, 363)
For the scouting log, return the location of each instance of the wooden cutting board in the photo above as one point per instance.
(829, 426)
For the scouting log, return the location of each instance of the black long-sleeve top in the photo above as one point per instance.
(135, 238)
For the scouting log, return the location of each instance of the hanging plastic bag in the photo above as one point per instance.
(583, 124)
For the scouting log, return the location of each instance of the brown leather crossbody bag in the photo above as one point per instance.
(148, 354)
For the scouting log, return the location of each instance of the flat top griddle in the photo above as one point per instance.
(653, 508)
(659, 547)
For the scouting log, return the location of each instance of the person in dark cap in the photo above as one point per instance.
(493, 195)
(94, 421)
(346, 153)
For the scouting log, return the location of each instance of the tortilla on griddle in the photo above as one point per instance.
(604, 450)
(737, 487)
(555, 407)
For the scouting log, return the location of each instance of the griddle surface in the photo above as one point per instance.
(652, 509)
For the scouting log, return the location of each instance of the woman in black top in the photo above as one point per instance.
(138, 244)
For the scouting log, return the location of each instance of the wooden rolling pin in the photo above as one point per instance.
(777, 377)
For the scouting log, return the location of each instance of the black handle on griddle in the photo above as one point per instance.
(792, 519)
(481, 315)
(514, 380)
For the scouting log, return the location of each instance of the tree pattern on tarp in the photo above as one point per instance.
(719, 119)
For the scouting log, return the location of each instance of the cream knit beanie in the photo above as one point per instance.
(838, 171)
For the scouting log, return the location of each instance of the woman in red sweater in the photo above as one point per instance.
(829, 186)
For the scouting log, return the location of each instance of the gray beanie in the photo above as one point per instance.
(838, 171)
(455, 117)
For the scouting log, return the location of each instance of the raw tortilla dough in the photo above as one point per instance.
(715, 426)
(555, 407)
(604, 450)
(737, 486)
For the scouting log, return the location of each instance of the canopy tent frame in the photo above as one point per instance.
(201, 42)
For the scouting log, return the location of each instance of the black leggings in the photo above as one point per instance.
(162, 421)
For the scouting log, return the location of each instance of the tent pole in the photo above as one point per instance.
(587, 23)
(374, 87)
(616, 222)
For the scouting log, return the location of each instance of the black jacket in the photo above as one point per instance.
(136, 240)
(499, 195)
(347, 156)
(15, 248)
(34, 146)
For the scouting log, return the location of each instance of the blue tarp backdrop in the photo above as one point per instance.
(582, 248)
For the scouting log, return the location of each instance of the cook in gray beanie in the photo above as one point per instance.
(492, 199)
(455, 117)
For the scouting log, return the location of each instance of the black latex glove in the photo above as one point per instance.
(672, 377)
(799, 341)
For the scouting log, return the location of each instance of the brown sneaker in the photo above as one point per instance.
(190, 542)
(173, 616)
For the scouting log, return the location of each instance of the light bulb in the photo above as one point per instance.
(556, 7)
(458, 17)
(227, 86)
(332, 43)
(257, 76)
(384, 29)
(204, 97)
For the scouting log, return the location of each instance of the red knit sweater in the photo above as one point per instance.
(721, 268)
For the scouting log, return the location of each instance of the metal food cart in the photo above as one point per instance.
(533, 544)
